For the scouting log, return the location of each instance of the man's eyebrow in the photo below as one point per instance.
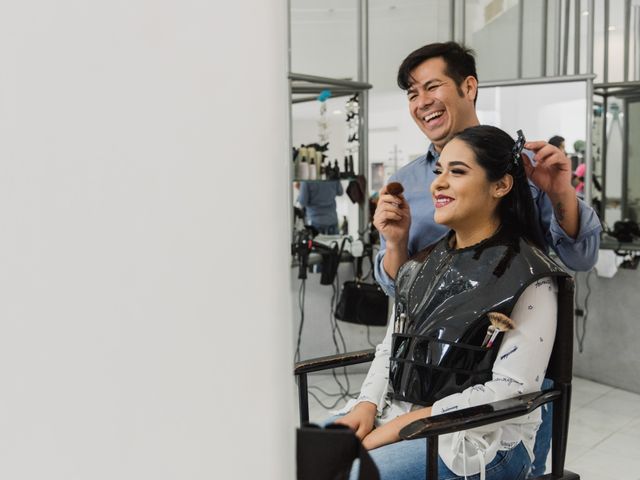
(429, 82)
(414, 86)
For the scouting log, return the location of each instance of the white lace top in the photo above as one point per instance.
(519, 368)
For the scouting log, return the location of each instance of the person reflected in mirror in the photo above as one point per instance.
(578, 179)
(558, 141)
(490, 260)
(319, 202)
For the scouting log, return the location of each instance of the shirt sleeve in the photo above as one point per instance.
(522, 358)
(374, 387)
(581, 253)
(303, 197)
(387, 284)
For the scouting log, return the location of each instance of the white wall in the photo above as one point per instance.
(144, 289)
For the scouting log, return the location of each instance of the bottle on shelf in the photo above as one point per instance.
(318, 164)
(302, 172)
(312, 169)
(345, 171)
(344, 227)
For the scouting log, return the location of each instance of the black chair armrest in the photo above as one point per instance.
(478, 416)
(333, 361)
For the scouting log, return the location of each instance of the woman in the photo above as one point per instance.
(434, 358)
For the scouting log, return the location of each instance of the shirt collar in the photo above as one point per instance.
(432, 154)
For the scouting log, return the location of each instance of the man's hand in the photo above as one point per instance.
(552, 169)
(552, 174)
(392, 217)
(360, 419)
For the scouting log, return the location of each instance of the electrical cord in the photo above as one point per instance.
(336, 329)
(580, 335)
(301, 295)
(344, 384)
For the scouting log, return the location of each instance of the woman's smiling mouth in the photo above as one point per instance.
(442, 201)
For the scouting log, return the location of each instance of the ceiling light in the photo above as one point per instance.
(612, 28)
(337, 112)
(586, 12)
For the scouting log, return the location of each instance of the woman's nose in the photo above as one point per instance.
(438, 183)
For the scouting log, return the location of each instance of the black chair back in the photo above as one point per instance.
(560, 370)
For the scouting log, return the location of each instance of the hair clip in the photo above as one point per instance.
(517, 148)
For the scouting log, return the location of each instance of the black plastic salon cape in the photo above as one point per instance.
(442, 300)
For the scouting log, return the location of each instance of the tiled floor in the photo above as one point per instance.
(604, 432)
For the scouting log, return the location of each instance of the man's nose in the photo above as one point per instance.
(425, 100)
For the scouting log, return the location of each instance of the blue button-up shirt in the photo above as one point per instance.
(578, 254)
(319, 200)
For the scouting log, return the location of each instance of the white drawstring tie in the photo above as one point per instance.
(459, 440)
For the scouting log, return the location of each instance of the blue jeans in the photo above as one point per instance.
(406, 460)
(327, 229)
(543, 437)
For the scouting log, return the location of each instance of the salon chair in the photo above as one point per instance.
(559, 370)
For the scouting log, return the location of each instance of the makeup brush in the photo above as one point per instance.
(500, 323)
(395, 188)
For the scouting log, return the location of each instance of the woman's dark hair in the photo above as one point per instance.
(459, 60)
(494, 151)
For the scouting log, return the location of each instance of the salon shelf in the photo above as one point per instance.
(611, 243)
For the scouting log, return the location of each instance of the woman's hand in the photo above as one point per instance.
(383, 435)
(360, 419)
(390, 432)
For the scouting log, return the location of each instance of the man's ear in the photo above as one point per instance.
(470, 87)
(502, 186)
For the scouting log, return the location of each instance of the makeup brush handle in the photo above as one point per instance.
(488, 335)
(493, 338)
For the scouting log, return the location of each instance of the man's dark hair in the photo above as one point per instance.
(459, 60)
(556, 140)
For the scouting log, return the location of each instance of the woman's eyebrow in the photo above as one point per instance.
(455, 163)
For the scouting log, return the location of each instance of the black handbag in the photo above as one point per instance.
(328, 453)
(362, 303)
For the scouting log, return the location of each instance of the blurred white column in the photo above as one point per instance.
(145, 318)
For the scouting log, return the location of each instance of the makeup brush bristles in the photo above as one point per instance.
(499, 323)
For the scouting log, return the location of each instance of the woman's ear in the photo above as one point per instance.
(503, 186)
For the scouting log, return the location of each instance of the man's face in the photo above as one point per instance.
(439, 106)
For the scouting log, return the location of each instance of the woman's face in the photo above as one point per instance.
(463, 196)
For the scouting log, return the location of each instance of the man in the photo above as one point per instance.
(319, 202)
(442, 86)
